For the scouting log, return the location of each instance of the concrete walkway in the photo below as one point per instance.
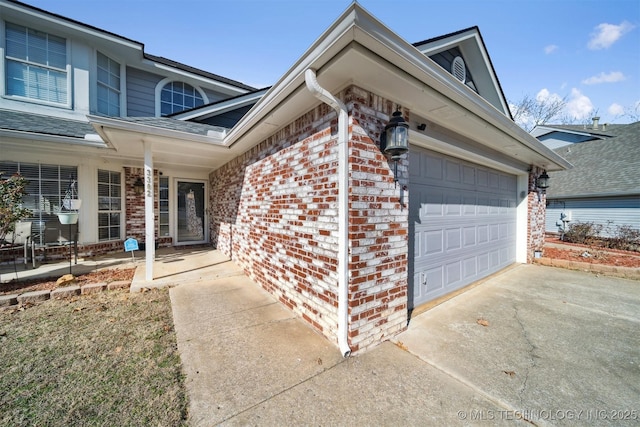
(561, 347)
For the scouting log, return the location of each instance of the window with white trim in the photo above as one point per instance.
(108, 86)
(35, 65)
(179, 96)
(109, 205)
(47, 185)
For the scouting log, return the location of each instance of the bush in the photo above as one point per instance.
(12, 191)
(623, 237)
(585, 233)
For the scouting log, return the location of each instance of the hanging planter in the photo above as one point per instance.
(68, 217)
(72, 204)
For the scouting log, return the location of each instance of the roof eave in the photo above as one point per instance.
(357, 25)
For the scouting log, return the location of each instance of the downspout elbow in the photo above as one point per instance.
(343, 204)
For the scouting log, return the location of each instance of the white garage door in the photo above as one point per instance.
(462, 219)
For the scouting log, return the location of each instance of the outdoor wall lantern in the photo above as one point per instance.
(396, 139)
(138, 186)
(542, 182)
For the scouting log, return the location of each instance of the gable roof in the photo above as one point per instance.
(357, 49)
(471, 45)
(219, 107)
(601, 167)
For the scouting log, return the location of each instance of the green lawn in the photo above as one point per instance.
(107, 359)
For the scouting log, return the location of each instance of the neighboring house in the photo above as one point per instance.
(292, 182)
(603, 187)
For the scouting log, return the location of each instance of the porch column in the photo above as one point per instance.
(149, 218)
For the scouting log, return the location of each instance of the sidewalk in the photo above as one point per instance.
(548, 355)
(250, 361)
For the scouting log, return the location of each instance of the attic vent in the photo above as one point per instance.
(458, 69)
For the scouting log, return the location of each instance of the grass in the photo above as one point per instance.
(107, 359)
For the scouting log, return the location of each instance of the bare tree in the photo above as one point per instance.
(530, 112)
(633, 112)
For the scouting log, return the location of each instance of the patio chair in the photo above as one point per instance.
(22, 236)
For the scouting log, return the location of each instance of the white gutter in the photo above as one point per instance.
(343, 204)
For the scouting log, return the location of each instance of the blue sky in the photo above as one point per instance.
(587, 51)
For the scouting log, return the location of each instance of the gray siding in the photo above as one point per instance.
(445, 59)
(213, 95)
(141, 90)
(228, 119)
(619, 210)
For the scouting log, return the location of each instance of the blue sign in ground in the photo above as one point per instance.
(130, 245)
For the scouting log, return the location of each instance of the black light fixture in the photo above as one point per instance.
(542, 182)
(396, 139)
(138, 186)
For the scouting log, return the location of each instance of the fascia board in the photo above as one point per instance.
(99, 122)
(556, 130)
(409, 59)
(220, 107)
(52, 139)
(336, 37)
(592, 195)
(443, 44)
(356, 24)
(72, 26)
(223, 87)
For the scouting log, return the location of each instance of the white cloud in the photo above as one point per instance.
(545, 96)
(579, 106)
(550, 49)
(615, 109)
(607, 34)
(612, 77)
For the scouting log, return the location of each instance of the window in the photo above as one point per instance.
(108, 86)
(164, 206)
(45, 191)
(179, 96)
(35, 65)
(109, 205)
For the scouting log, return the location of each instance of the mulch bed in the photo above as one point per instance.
(41, 284)
(592, 255)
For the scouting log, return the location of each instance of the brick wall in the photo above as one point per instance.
(275, 213)
(537, 201)
(378, 226)
(134, 204)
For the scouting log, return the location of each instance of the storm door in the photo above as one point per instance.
(191, 212)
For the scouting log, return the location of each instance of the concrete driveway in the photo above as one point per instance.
(560, 348)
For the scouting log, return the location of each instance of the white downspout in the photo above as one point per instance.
(343, 204)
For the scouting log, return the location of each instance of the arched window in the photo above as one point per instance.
(179, 96)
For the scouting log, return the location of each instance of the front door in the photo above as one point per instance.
(191, 212)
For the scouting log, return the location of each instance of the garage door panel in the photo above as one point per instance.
(463, 217)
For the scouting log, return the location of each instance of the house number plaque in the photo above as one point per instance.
(147, 182)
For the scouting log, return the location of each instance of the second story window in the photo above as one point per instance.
(36, 65)
(108, 86)
(179, 96)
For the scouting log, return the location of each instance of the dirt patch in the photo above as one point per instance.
(582, 253)
(106, 275)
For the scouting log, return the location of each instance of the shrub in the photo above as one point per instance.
(625, 237)
(12, 190)
(585, 233)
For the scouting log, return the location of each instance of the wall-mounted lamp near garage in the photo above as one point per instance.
(542, 182)
(138, 186)
(395, 139)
